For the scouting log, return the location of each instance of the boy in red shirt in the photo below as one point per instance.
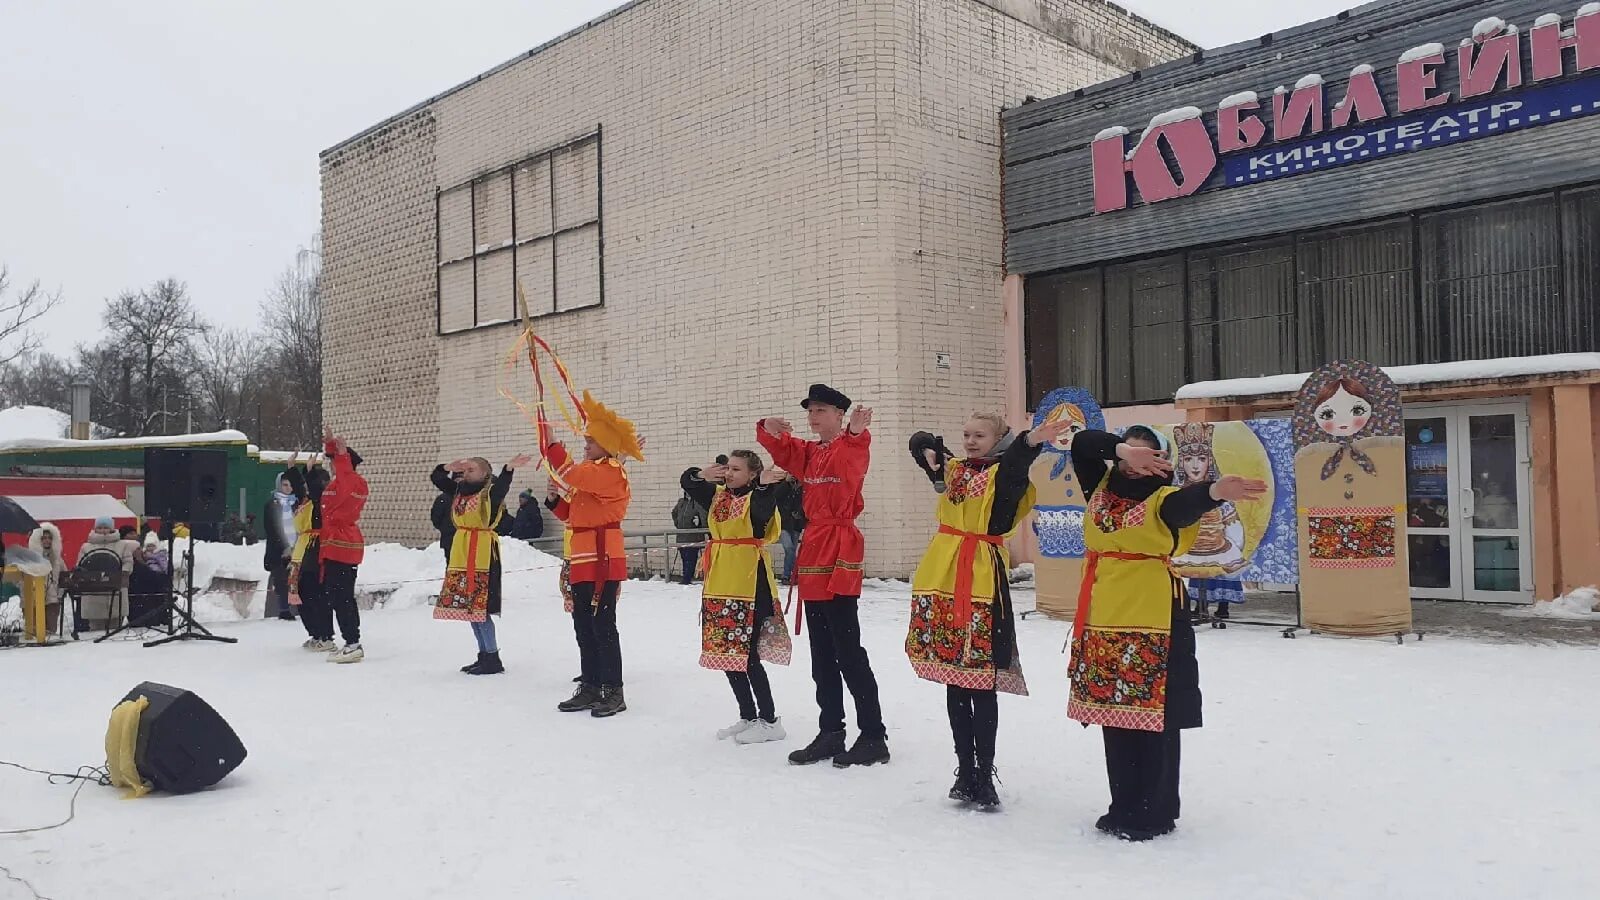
(828, 570)
(342, 544)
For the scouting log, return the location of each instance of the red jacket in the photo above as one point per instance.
(832, 552)
(342, 502)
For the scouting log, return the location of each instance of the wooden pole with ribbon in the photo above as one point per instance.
(573, 416)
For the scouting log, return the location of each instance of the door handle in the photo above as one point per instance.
(1468, 504)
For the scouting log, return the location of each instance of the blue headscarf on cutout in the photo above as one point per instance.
(1092, 415)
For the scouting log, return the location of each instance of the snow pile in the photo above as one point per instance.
(1588, 9)
(1171, 116)
(1432, 373)
(398, 577)
(1243, 98)
(1488, 28)
(1547, 19)
(1312, 80)
(1578, 606)
(1112, 133)
(1363, 69)
(33, 422)
(1425, 51)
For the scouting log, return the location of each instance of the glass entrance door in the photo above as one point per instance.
(1467, 504)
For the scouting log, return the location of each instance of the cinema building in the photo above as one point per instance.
(1413, 183)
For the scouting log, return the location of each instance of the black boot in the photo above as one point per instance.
(472, 668)
(868, 751)
(983, 790)
(610, 704)
(827, 745)
(585, 697)
(489, 665)
(966, 776)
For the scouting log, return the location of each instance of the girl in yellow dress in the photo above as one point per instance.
(963, 629)
(1133, 663)
(740, 623)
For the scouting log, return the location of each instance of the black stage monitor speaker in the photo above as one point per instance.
(183, 744)
(189, 486)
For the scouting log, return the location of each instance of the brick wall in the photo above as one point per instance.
(792, 192)
(380, 360)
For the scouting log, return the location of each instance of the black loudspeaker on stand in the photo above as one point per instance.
(191, 487)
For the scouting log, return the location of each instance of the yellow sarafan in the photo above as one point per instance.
(731, 568)
(965, 507)
(1134, 594)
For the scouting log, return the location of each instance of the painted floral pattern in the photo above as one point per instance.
(1060, 531)
(1337, 541)
(946, 651)
(1120, 677)
(964, 482)
(458, 602)
(1111, 513)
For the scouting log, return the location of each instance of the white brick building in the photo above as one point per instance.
(715, 203)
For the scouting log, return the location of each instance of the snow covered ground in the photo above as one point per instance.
(1327, 769)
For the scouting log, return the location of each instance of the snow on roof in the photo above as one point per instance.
(1423, 51)
(8, 443)
(1405, 376)
(284, 456)
(66, 507)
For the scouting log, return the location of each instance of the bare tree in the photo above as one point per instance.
(141, 368)
(291, 323)
(18, 312)
(37, 379)
(228, 376)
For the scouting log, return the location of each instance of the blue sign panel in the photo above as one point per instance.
(1490, 115)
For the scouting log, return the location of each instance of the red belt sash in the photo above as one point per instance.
(602, 556)
(966, 560)
(472, 555)
(799, 613)
(1090, 565)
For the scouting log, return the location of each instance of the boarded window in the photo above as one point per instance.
(536, 223)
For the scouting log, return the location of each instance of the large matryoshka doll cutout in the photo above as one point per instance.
(1229, 534)
(1351, 483)
(1059, 505)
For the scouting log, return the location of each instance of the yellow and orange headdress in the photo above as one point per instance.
(611, 431)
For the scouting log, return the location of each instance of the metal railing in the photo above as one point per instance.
(650, 551)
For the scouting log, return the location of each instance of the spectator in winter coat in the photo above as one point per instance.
(46, 541)
(529, 525)
(794, 524)
(96, 610)
(278, 517)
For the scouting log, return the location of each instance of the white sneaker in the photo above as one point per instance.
(352, 653)
(737, 728)
(316, 646)
(761, 732)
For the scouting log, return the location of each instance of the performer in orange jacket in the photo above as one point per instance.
(597, 494)
(343, 545)
(828, 571)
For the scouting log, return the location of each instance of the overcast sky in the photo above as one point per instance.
(180, 137)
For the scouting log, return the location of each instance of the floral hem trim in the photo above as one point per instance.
(451, 614)
(1010, 681)
(1116, 716)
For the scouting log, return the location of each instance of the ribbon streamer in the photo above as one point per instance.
(573, 416)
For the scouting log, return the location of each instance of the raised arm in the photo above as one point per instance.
(441, 480)
(698, 489)
(1093, 452)
(787, 451)
(502, 487)
(1185, 506)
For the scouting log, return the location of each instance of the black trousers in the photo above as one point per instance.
(278, 591)
(1142, 767)
(315, 614)
(336, 597)
(691, 558)
(595, 626)
(974, 723)
(837, 660)
(751, 687)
